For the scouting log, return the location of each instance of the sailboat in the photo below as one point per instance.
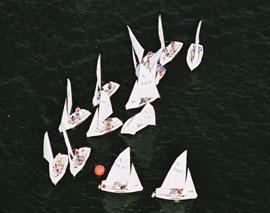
(148, 61)
(70, 120)
(143, 92)
(171, 50)
(57, 164)
(145, 89)
(139, 121)
(122, 178)
(178, 184)
(78, 158)
(102, 123)
(137, 51)
(195, 51)
(110, 88)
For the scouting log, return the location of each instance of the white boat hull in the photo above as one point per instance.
(165, 194)
(116, 123)
(109, 91)
(191, 61)
(168, 54)
(140, 127)
(112, 90)
(105, 187)
(75, 164)
(69, 124)
(56, 173)
(138, 103)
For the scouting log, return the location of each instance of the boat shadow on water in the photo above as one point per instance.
(179, 207)
(118, 203)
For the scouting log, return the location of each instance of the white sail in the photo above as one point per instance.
(64, 118)
(94, 124)
(154, 60)
(136, 45)
(96, 97)
(120, 170)
(134, 183)
(189, 191)
(67, 142)
(197, 40)
(105, 107)
(176, 176)
(69, 97)
(47, 149)
(146, 84)
(134, 98)
(160, 33)
(139, 121)
(153, 63)
(144, 90)
(130, 126)
(147, 115)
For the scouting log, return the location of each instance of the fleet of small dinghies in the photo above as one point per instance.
(178, 184)
(122, 177)
(70, 120)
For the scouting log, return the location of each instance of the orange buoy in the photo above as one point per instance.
(99, 170)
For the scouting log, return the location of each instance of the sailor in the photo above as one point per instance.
(77, 113)
(72, 120)
(142, 62)
(123, 186)
(192, 53)
(109, 86)
(109, 124)
(172, 47)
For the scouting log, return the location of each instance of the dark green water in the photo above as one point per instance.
(219, 112)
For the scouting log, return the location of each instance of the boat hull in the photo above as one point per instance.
(165, 194)
(68, 125)
(75, 165)
(116, 123)
(57, 172)
(191, 61)
(107, 188)
(167, 56)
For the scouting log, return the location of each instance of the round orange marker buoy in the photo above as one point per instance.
(99, 170)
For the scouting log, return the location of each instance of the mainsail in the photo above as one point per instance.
(47, 149)
(96, 97)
